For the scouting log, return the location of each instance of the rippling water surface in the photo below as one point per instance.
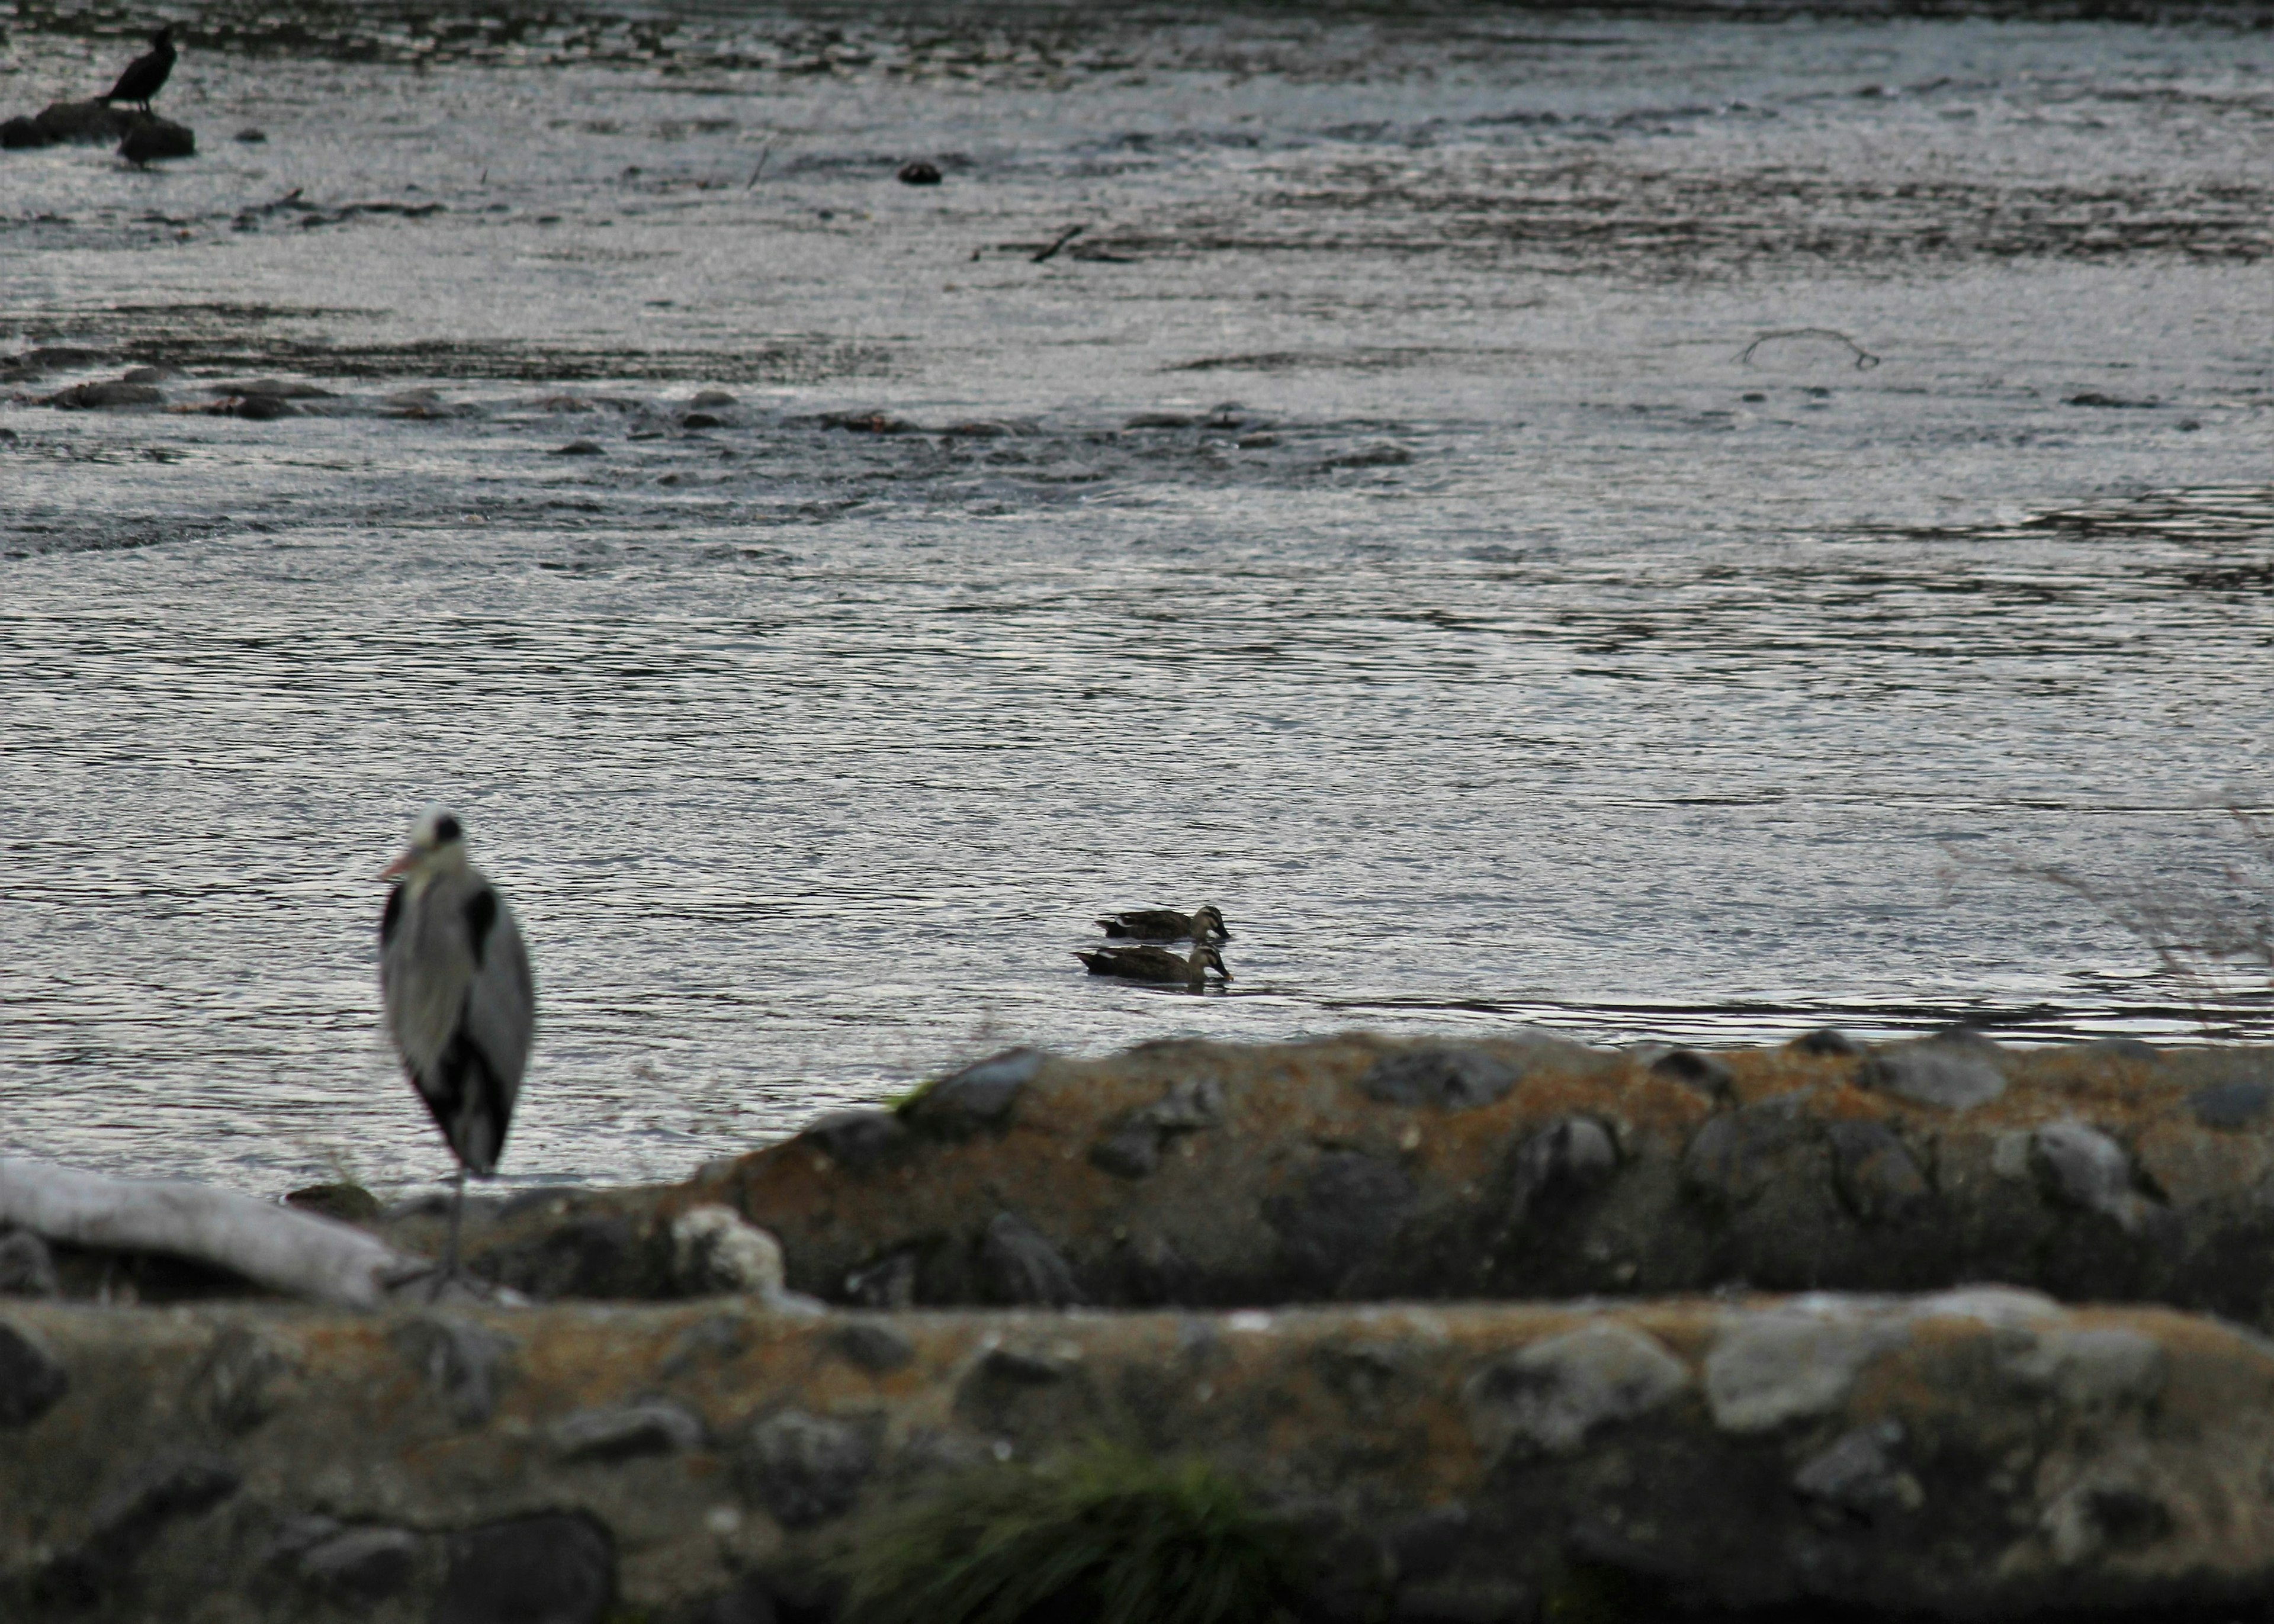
(1625, 522)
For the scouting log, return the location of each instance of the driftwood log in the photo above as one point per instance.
(295, 1252)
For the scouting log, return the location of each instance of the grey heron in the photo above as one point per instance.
(1204, 923)
(460, 1007)
(1157, 963)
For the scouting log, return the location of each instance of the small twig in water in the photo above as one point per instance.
(1864, 359)
(1065, 237)
(764, 153)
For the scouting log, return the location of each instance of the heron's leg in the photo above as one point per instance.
(457, 1217)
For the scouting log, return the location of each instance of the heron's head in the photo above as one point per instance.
(437, 841)
(1207, 923)
(1210, 960)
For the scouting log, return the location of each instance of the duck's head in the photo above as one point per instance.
(1206, 958)
(1207, 923)
(438, 842)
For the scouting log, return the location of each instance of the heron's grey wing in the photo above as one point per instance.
(422, 974)
(501, 1010)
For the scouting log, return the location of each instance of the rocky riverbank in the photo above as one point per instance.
(1924, 1431)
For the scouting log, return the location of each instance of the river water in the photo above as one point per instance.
(1638, 523)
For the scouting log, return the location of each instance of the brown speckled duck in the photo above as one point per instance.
(1158, 965)
(1204, 923)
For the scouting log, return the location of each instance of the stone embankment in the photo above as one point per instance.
(1354, 1169)
(1313, 1252)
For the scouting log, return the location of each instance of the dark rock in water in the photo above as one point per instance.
(709, 399)
(1160, 420)
(360, 1566)
(1826, 1040)
(868, 423)
(20, 132)
(701, 420)
(857, 1138)
(85, 121)
(1561, 1162)
(2230, 1105)
(261, 408)
(1347, 1209)
(1024, 1268)
(1452, 1079)
(106, 397)
(919, 172)
(1381, 454)
(252, 137)
(978, 1096)
(31, 1382)
(284, 389)
(805, 1468)
(579, 447)
(51, 359)
(1951, 1071)
(154, 138)
(348, 1203)
(552, 1568)
(27, 1266)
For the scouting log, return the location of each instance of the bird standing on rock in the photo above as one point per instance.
(1204, 923)
(146, 73)
(459, 1004)
(1158, 965)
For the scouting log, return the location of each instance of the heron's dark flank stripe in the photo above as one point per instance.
(467, 1104)
(392, 917)
(481, 914)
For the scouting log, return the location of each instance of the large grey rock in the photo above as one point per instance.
(857, 1138)
(551, 1569)
(27, 1266)
(1767, 1369)
(805, 1468)
(1952, 1072)
(2091, 1369)
(2085, 1167)
(1702, 1072)
(1451, 1079)
(1734, 1159)
(130, 1514)
(1859, 1477)
(361, 1566)
(1346, 1209)
(714, 1249)
(1877, 1176)
(2231, 1105)
(978, 1097)
(1555, 1394)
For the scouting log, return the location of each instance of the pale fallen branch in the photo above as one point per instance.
(295, 1252)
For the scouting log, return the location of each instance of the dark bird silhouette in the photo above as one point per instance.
(459, 1004)
(1204, 923)
(1158, 965)
(146, 73)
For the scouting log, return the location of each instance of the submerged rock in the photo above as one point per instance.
(153, 139)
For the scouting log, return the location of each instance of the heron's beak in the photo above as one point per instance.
(400, 866)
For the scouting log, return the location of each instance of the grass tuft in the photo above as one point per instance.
(1109, 1535)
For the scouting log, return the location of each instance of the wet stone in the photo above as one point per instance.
(1452, 1079)
(857, 1138)
(348, 1203)
(1859, 1478)
(1732, 1159)
(157, 138)
(360, 1565)
(1826, 1040)
(918, 172)
(2083, 1167)
(1553, 1395)
(31, 1381)
(1878, 1178)
(27, 1266)
(552, 1568)
(106, 397)
(463, 1364)
(1565, 1160)
(875, 1347)
(1133, 1152)
(128, 1517)
(1953, 1073)
(1702, 1072)
(1021, 1267)
(715, 1250)
(1346, 1209)
(979, 1096)
(2230, 1105)
(2091, 1369)
(804, 1468)
(626, 1432)
(579, 447)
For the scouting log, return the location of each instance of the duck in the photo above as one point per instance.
(1158, 965)
(1204, 923)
